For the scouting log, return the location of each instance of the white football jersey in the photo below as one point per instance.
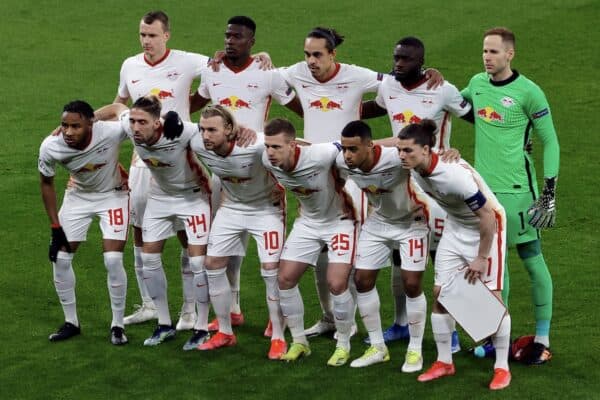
(247, 185)
(454, 187)
(175, 168)
(170, 79)
(392, 193)
(411, 105)
(329, 106)
(93, 169)
(314, 180)
(246, 92)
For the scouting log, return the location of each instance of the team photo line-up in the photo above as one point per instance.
(363, 204)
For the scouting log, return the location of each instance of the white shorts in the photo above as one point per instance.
(79, 208)
(166, 214)
(230, 229)
(377, 239)
(307, 238)
(437, 216)
(459, 246)
(139, 182)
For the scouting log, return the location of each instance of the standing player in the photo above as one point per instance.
(167, 74)
(405, 97)
(179, 195)
(331, 94)
(246, 90)
(398, 218)
(508, 108)
(252, 203)
(89, 151)
(474, 235)
(327, 218)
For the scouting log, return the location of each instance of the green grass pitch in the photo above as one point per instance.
(57, 51)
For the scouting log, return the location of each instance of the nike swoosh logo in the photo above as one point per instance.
(393, 97)
(341, 254)
(118, 230)
(478, 93)
(134, 81)
(417, 261)
(486, 282)
(305, 86)
(272, 252)
(521, 233)
(216, 83)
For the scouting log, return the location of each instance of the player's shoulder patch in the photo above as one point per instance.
(541, 113)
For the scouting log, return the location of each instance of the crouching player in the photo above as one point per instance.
(327, 218)
(252, 203)
(399, 218)
(474, 235)
(89, 150)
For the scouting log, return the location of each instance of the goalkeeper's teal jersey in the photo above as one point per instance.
(506, 113)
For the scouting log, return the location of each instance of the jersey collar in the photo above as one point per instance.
(297, 158)
(235, 69)
(376, 156)
(416, 84)
(434, 161)
(337, 69)
(152, 64)
(510, 79)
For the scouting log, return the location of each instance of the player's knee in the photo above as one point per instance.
(412, 286)
(337, 288)
(363, 282)
(151, 261)
(529, 249)
(285, 282)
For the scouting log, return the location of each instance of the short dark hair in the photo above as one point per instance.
(80, 107)
(506, 34)
(150, 104)
(423, 132)
(412, 42)
(243, 21)
(280, 125)
(357, 128)
(332, 38)
(158, 15)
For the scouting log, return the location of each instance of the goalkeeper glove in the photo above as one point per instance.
(543, 211)
(59, 239)
(172, 125)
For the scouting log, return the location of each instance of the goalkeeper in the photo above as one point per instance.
(508, 108)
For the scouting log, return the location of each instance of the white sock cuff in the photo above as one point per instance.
(267, 273)
(365, 296)
(342, 297)
(504, 329)
(442, 323)
(64, 255)
(151, 260)
(288, 293)
(113, 255)
(137, 251)
(417, 299)
(213, 273)
(197, 264)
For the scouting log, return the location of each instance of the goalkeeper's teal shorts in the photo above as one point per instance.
(518, 229)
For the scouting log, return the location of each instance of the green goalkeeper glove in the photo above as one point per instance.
(543, 211)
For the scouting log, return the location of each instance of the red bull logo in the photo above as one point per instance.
(325, 104)
(488, 114)
(375, 190)
(162, 94)
(235, 179)
(234, 103)
(89, 167)
(406, 117)
(155, 163)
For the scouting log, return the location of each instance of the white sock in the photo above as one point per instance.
(156, 282)
(116, 281)
(343, 311)
(323, 286)
(200, 292)
(416, 310)
(501, 342)
(234, 267)
(368, 305)
(292, 308)
(187, 279)
(139, 276)
(400, 317)
(220, 297)
(443, 326)
(64, 282)
(275, 315)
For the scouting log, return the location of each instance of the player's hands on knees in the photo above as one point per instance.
(543, 211)
(172, 125)
(434, 78)
(450, 155)
(475, 269)
(58, 241)
(245, 137)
